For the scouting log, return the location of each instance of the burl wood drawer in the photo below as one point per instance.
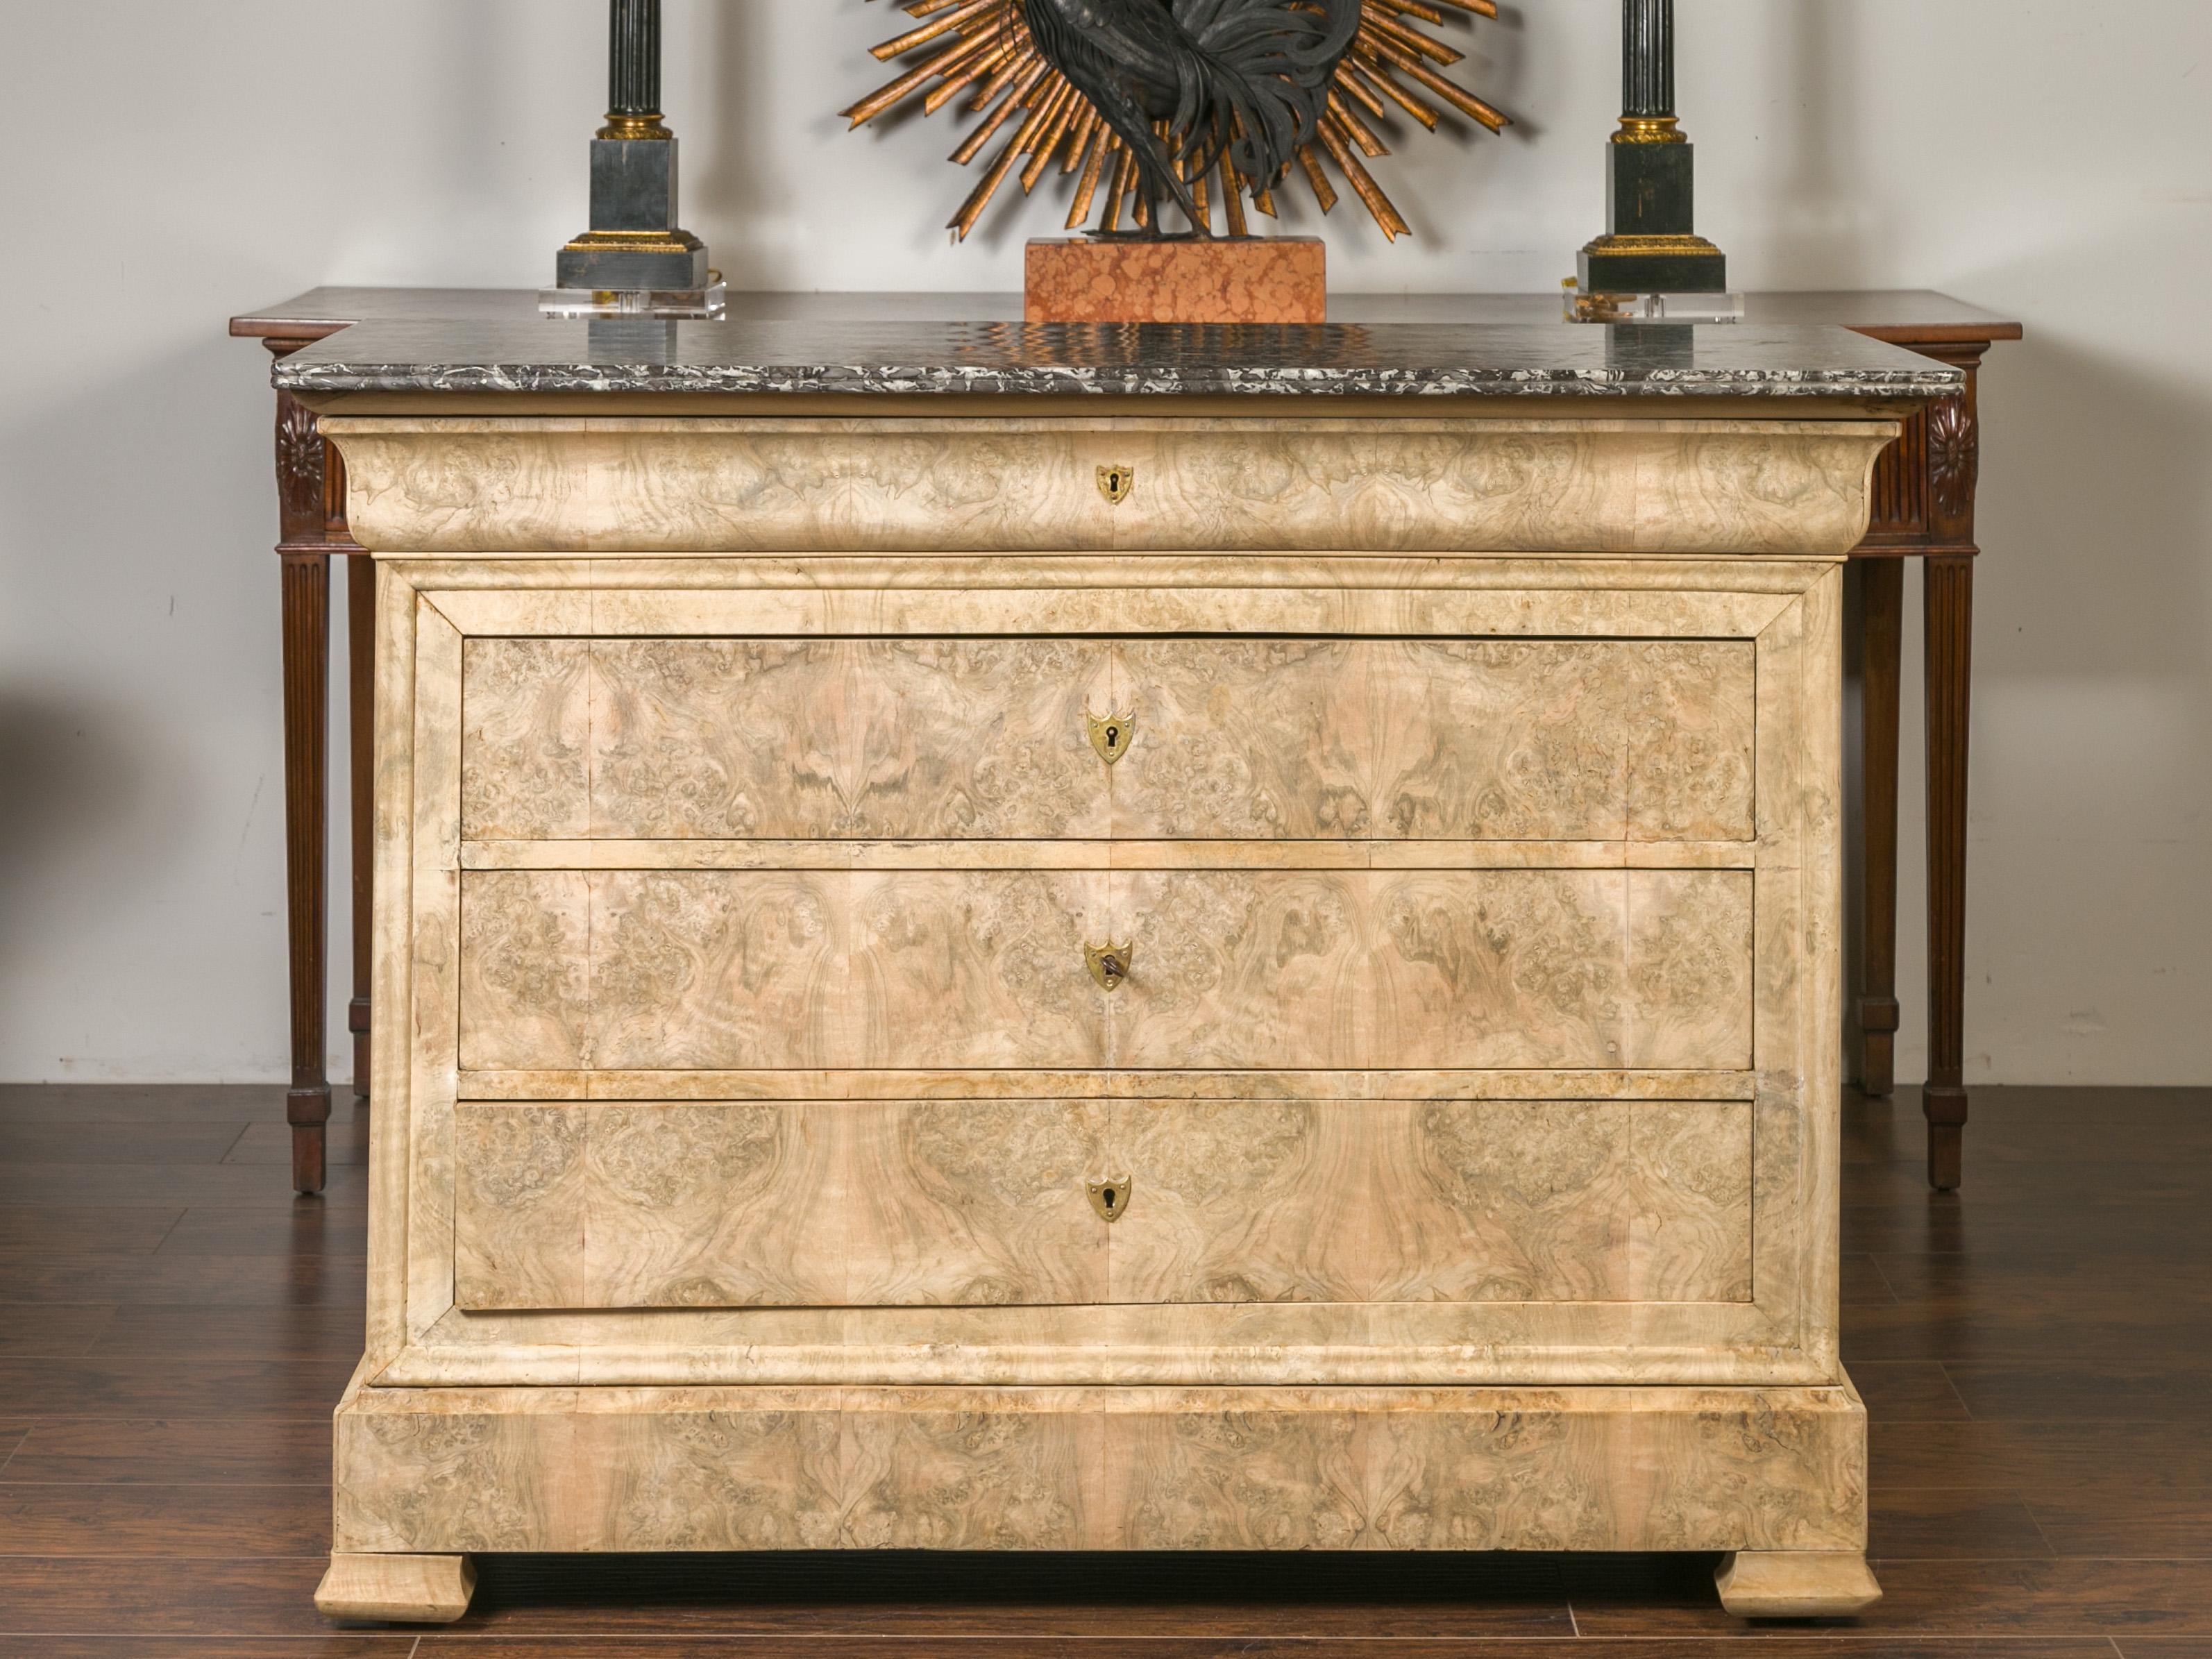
(1261, 968)
(876, 1203)
(1281, 482)
(1644, 740)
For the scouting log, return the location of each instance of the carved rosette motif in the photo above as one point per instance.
(299, 462)
(1954, 459)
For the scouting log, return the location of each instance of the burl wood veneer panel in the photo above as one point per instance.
(1385, 484)
(940, 740)
(780, 970)
(1325, 969)
(922, 739)
(1234, 970)
(738, 1204)
(1121, 1468)
(1436, 740)
(1433, 1201)
(526, 736)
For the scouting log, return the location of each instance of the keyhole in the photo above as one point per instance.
(1113, 737)
(1109, 1197)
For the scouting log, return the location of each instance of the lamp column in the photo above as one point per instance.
(635, 244)
(1650, 244)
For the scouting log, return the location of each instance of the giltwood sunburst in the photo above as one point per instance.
(980, 52)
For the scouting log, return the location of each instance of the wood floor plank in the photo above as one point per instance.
(144, 1521)
(75, 1596)
(126, 1385)
(162, 1142)
(2055, 1139)
(2132, 1387)
(2053, 1184)
(1931, 1331)
(2035, 1457)
(271, 1143)
(438, 1645)
(313, 1228)
(2046, 1283)
(1926, 1598)
(2031, 1305)
(141, 1184)
(1073, 1597)
(325, 1329)
(232, 1449)
(273, 1281)
(1897, 1392)
(175, 1647)
(1863, 1284)
(1936, 1224)
(2109, 1517)
(1932, 1523)
(86, 1227)
(50, 1330)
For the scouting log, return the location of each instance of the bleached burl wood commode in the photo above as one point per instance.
(1035, 939)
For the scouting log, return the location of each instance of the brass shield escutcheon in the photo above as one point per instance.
(1110, 1197)
(1109, 964)
(1115, 483)
(1111, 735)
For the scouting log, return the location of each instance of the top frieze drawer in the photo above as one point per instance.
(1394, 485)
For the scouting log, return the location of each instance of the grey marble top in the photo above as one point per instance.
(1427, 358)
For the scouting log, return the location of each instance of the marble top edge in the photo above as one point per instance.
(1333, 358)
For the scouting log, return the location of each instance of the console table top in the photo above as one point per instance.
(903, 357)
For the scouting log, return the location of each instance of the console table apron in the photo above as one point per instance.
(1923, 507)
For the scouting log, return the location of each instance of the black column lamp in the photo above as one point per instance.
(636, 260)
(1650, 265)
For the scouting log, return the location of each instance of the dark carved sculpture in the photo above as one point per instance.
(1248, 78)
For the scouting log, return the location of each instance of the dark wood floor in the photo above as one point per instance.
(2037, 1356)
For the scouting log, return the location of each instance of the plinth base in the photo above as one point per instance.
(1240, 280)
(1652, 264)
(1777, 1474)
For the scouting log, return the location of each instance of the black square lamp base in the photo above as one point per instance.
(1651, 204)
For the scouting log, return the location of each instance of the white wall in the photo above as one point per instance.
(175, 163)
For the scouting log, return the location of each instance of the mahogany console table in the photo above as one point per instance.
(1924, 494)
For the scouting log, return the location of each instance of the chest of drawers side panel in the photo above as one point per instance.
(1796, 1126)
(392, 966)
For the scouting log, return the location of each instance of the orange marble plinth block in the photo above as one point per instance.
(1261, 280)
